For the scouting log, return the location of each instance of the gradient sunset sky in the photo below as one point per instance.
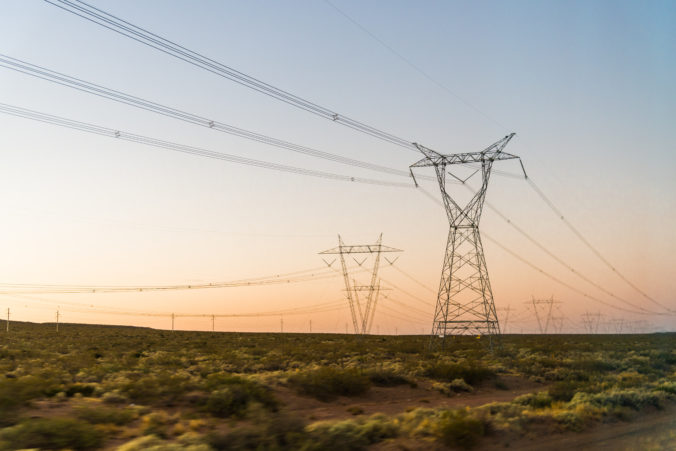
(589, 88)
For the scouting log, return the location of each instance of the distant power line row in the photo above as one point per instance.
(42, 288)
(638, 309)
(152, 40)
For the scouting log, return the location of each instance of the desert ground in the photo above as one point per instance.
(104, 387)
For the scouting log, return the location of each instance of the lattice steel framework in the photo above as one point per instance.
(362, 311)
(465, 300)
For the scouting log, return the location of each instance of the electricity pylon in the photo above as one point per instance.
(465, 300)
(591, 322)
(547, 305)
(505, 318)
(362, 315)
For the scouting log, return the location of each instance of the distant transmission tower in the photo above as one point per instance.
(465, 300)
(505, 318)
(591, 322)
(544, 317)
(362, 310)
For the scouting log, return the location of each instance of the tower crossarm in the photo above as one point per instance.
(491, 153)
(360, 249)
(465, 300)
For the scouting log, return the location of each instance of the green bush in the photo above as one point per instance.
(472, 373)
(16, 392)
(538, 400)
(387, 378)
(276, 433)
(326, 383)
(83, 389)
(350, 435)
(633, 399)
(562, 391)
(162, 387)
(231, 395)
(53, 433)
(458, 385)
(231, 401)
(105, 415)
(458, 428)
(591, 366)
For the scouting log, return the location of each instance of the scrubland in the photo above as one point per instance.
(96, 387)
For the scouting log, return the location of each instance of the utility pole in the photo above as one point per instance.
(310, 326)
(172, 322)
(465, 300)
(213, 322)
(362, 316)
(7, 328)
(281, 324)
(57, 320)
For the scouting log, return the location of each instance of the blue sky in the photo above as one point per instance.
(587, 86)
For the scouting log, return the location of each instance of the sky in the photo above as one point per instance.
(587, 86)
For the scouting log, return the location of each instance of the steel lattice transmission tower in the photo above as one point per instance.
(465, 300)
(362, 310)
(543, 317)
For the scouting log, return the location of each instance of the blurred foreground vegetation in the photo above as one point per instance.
(91, 387)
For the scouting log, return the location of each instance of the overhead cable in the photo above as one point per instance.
(537, 268)
(143, 36)
(407, 275)
(191, 150)
(562, 262)
(128, 99)
(596, 252)
(91, 289)
(316, 308)
(414, 66)
(561, 282)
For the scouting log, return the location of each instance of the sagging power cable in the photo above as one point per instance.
(191, 150)
(145, 37)
(49, 75)
(595, 251)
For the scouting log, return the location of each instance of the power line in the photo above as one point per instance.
(315, 308)
(154, 107)
(561, 282)
(562, 262)
(596, 252)
(408, 306)
(408, 293)
(197, 151)
(533, 185)
(404, 316)
(537, 268)
(415, 67)
(91, 289)
(540, 193)
(145, 37)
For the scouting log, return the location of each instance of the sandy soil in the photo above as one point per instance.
(647, 431)
(394, 400)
